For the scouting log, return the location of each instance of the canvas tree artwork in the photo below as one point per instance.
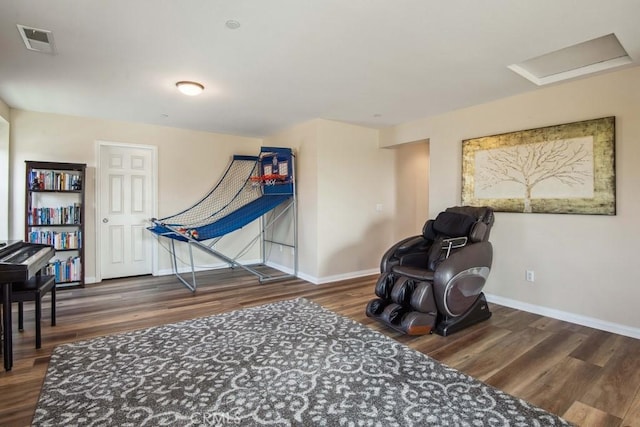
(558, 169)
(552, 169)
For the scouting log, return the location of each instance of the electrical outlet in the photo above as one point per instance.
(530, 276)
(280, 248)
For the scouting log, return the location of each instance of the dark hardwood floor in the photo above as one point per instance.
(589, 377)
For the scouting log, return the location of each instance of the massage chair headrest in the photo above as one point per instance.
(458, 221)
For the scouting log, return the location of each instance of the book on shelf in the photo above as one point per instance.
(64, 215)
(54, 180)
(60, 240)
(65, 270)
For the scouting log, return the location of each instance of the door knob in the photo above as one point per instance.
(105, 220)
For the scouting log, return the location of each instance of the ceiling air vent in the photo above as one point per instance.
(36, 39)
(602, 53)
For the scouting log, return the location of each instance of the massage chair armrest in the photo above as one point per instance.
(415, 259)
(410, 245)
(475, 255)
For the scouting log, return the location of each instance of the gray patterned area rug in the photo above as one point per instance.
(287, 363)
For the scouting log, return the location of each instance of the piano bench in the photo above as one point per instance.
(33, 290)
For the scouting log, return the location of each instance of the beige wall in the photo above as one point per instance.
(412, 188)
(584, 264)
(4, 170)
(303, 139)
(189, 163)
(354, 177)
(342, 176)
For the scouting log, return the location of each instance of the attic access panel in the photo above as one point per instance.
(599, 54)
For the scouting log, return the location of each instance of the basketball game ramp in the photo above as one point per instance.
(250, 187)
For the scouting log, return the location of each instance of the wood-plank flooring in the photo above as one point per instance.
(589, 377)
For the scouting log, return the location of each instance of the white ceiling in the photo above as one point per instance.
(370, 62)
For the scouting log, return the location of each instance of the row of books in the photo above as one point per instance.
(56, 216)
(52, 180)
(65, 270)
(57, 239)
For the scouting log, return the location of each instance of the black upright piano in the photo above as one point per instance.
(19, 261)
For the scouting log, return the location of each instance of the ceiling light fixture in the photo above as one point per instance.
(190, 88)
(232, 24)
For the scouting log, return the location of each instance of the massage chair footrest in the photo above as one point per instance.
(401, 318)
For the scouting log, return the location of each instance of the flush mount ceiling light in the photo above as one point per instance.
(599, 54)
(232, 24)
(190, 88)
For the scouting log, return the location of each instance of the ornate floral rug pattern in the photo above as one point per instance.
(287, 363)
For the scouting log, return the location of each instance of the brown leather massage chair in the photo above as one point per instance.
(434, 281)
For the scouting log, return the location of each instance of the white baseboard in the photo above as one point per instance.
(345, 276)
(578, 319)
(326, 279)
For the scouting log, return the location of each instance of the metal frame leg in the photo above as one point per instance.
(191, 286)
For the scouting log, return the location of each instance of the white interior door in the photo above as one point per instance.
(126, 203)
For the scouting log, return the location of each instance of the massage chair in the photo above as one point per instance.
(433, 282)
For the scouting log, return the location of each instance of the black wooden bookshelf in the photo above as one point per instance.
(55, 213)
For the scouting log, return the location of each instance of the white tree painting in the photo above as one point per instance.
(551, 169)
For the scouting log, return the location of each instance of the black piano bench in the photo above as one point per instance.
(33, 290)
